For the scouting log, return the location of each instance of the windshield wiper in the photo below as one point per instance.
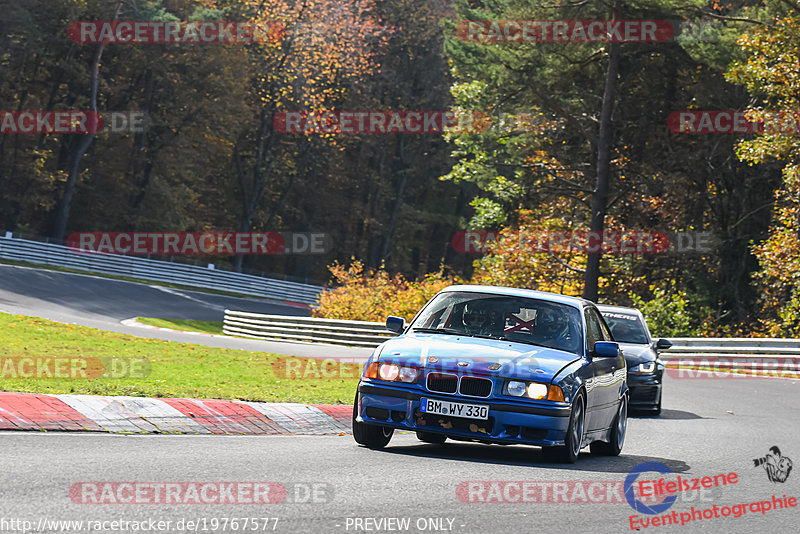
(524, 342)
(439, 331)
(456, 332)
(485, 336)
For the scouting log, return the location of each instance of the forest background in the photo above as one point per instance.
(585, 146)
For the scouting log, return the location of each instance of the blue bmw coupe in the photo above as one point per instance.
(498, 365)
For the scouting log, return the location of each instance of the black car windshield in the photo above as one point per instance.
(519, 319)
(626, 328)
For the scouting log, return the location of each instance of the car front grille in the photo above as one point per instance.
(469, 386)
(475, 387)
(644, 394)
(443, 382)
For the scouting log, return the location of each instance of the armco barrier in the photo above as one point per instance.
(727, 346)
(305, 329)
(744, 354)
(157, 271)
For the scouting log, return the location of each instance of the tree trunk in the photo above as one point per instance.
(600, 195)
(253, 192)
(65, 205)
(399, 199)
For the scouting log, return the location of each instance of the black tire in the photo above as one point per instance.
(569, 452)
(430, 437)
(371, 436)
(617, 437)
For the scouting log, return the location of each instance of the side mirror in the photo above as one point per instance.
(663, 344)
(395, 324)
(606, 349)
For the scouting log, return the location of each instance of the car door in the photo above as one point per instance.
(602, 389)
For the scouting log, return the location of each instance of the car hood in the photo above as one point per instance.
(636, 353)
(516, 360)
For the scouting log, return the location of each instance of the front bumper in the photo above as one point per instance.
(645, 390)
(510, 421)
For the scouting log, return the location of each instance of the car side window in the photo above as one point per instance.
(594, 329)
(603, 326)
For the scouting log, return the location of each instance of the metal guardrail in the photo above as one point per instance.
(157, 271)
(723, 355)
(751, 354)
(734, 345)
(305, 329)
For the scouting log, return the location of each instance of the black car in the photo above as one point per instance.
(645, 370)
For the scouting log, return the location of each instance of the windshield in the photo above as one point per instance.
(523, 320)
(626, 328)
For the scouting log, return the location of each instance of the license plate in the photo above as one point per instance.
(454, 409)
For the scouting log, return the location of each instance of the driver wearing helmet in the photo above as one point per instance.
(475, 318)
(552, 328)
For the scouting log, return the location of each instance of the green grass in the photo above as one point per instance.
(172, 369)
(185, 325)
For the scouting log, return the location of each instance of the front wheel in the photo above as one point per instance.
(617, 437)
(371, 436)
(568, 453)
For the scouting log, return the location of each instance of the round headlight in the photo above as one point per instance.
(537, 391)
(517, 389)
(408, 374)
(388, 371)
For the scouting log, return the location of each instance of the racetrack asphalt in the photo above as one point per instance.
(708, 427)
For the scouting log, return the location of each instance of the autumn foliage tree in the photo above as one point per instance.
(771, 72)
(373, 294)
(325, 45)
(616, 164)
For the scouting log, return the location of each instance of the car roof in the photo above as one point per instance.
(606, 308)
(619, 309)
(517, 292)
